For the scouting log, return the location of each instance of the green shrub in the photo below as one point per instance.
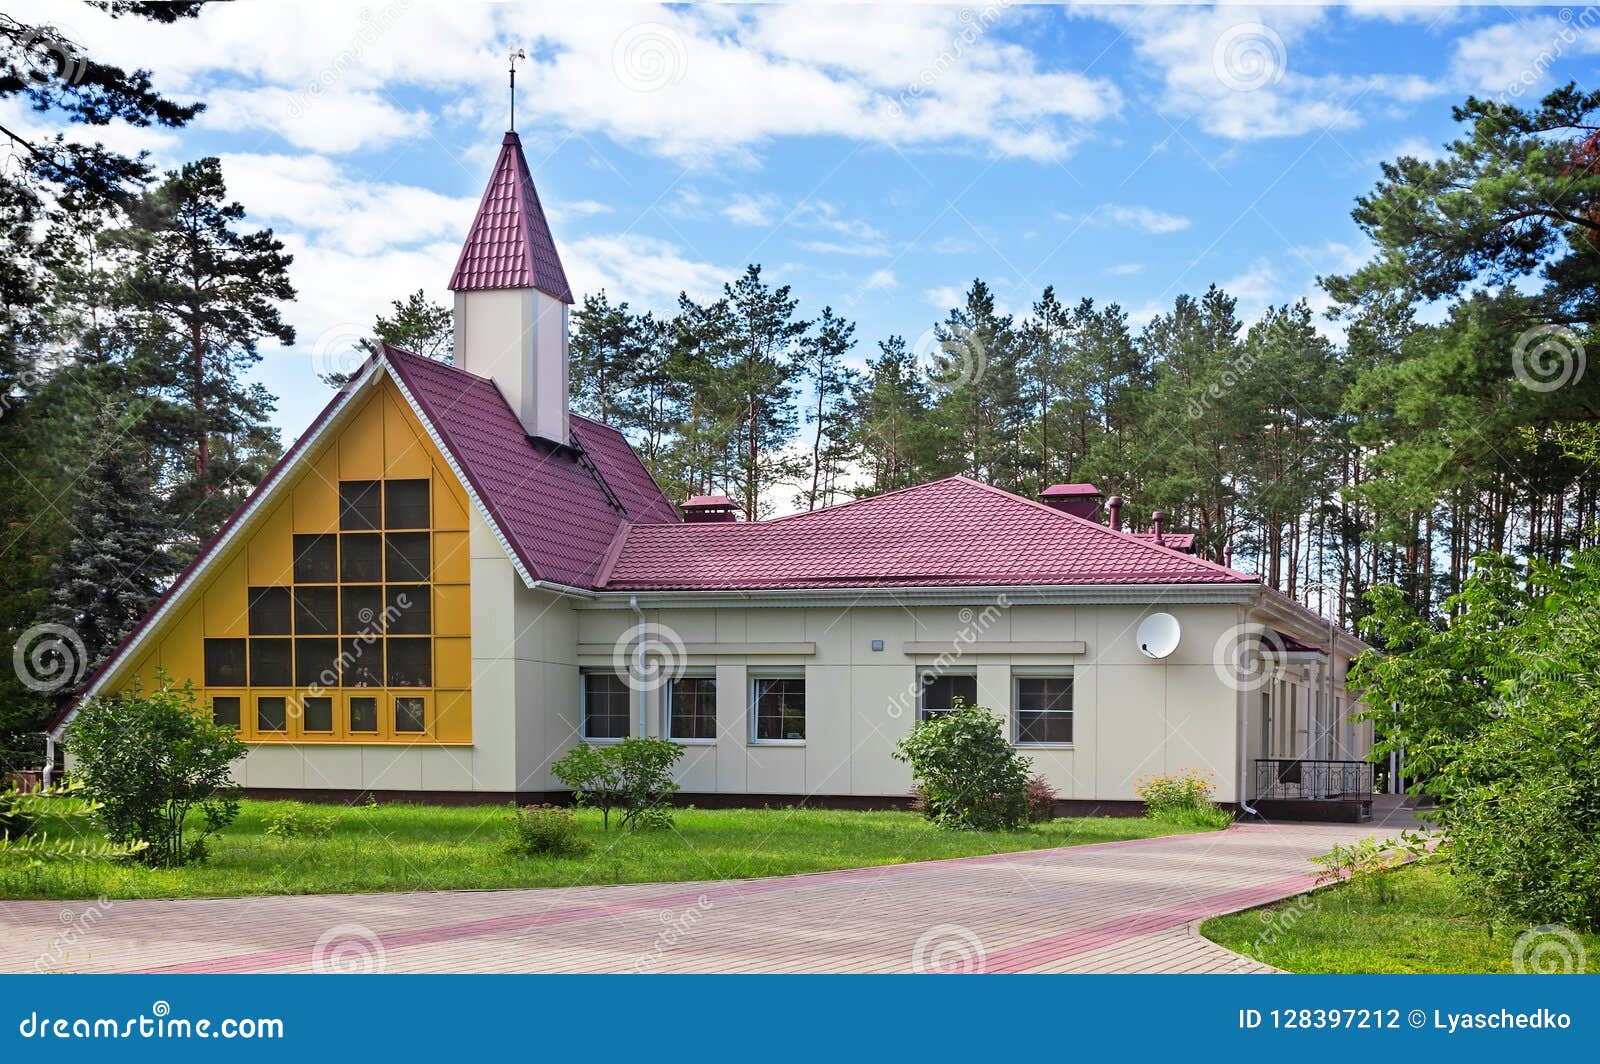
(25, 816)
(149, 760)
(1041, 800)
(1368, 862)
(300, 822)
(542, 830)
(1182, 798)
(634, 775)
(966, 771)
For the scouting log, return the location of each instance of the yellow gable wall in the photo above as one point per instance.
(382, 439)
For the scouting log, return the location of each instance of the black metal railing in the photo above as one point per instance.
(1290, 777)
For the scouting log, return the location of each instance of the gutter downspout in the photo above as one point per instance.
(638, 668)
(1244, 757)
(49, 759)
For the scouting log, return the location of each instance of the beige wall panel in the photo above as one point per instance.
(733, 727)
(389, 768)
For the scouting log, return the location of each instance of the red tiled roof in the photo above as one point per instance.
(553, 511)
(1058, 490)
(1176, 540)
(948, 532)
(509, 244)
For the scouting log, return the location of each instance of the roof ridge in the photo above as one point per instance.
(856, 502)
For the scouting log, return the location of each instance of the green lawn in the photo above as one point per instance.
(418, 847)
(1426, 926)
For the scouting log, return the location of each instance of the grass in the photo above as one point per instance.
(418, 847)
(1426, 925)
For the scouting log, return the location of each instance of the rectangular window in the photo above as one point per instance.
(406, 557)
(1043, 709)
(940, 692)
(361, 558)
(316, 610)
(270, 663)
(410, 610)
(316, 663)
(362, 662)
(225, 710)
(318, 714)
(316, 559)
(359, 502)
(272, 713)
(405, 504)
(410, 662)
(269, 611)
(605, 706)
(692, 708)
(363, 714)
(409, 715)
(225, 663)
(779, 709)
(361, 610)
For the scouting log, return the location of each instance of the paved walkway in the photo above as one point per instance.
(1111, 907)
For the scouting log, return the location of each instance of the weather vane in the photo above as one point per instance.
(516, 53)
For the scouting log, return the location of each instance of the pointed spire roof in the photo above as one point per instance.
(509, 244)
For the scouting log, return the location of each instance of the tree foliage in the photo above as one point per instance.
(966, 772)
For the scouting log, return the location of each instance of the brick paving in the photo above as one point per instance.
(1110, 907)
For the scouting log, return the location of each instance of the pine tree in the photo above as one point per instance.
(890, 421)
(821, 362)
(608, 347)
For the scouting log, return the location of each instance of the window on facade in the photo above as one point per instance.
(318, 714)
(269, 611)
(363, 714)
(316, 663)
(361, 558)
(940, 691)
(225, 710)
(360, 502)
(316, 611)
(362, 663)
(410, 662)
(271, 663)
(409, 715)
(405, 504)
(225, 663)
(692, 708)
(405, 557)
(409, 610)
(1044, 709)
(605, 706)
(272, 713)
(780, 708)
(316, 559)
(361, 610)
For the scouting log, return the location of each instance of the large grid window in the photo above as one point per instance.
(692, 708)
(1043, 710)
(941, 692)
(605, 706)
(778, 709)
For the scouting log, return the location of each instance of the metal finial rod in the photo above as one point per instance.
(516, 54)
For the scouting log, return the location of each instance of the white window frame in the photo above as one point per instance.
(666, 707)
(1064, 672)
(583, 707)
(922, 688)
(755, 677)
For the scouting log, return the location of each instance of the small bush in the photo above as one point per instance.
(634, 776)
(300, 822)
(966, 770)
(542, 830)
(1182, 798)
(1368, 862)
(1041, 800)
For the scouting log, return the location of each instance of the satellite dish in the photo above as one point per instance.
(1158, 635)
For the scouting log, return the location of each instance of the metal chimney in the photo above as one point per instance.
(1114, 506)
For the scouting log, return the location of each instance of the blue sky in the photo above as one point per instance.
(876, 158)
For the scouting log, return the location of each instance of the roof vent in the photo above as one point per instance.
(708, 509)
(1079, 500)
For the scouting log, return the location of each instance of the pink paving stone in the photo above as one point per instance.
(1107, 907)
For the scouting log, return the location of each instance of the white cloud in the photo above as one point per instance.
(835, 247)
(643, 270)
(881, 281)
(1511, 61)
(951, 245)
(334, 121)
(946, 296)
(1144, 219)
(1124, 269)
(745, 209)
